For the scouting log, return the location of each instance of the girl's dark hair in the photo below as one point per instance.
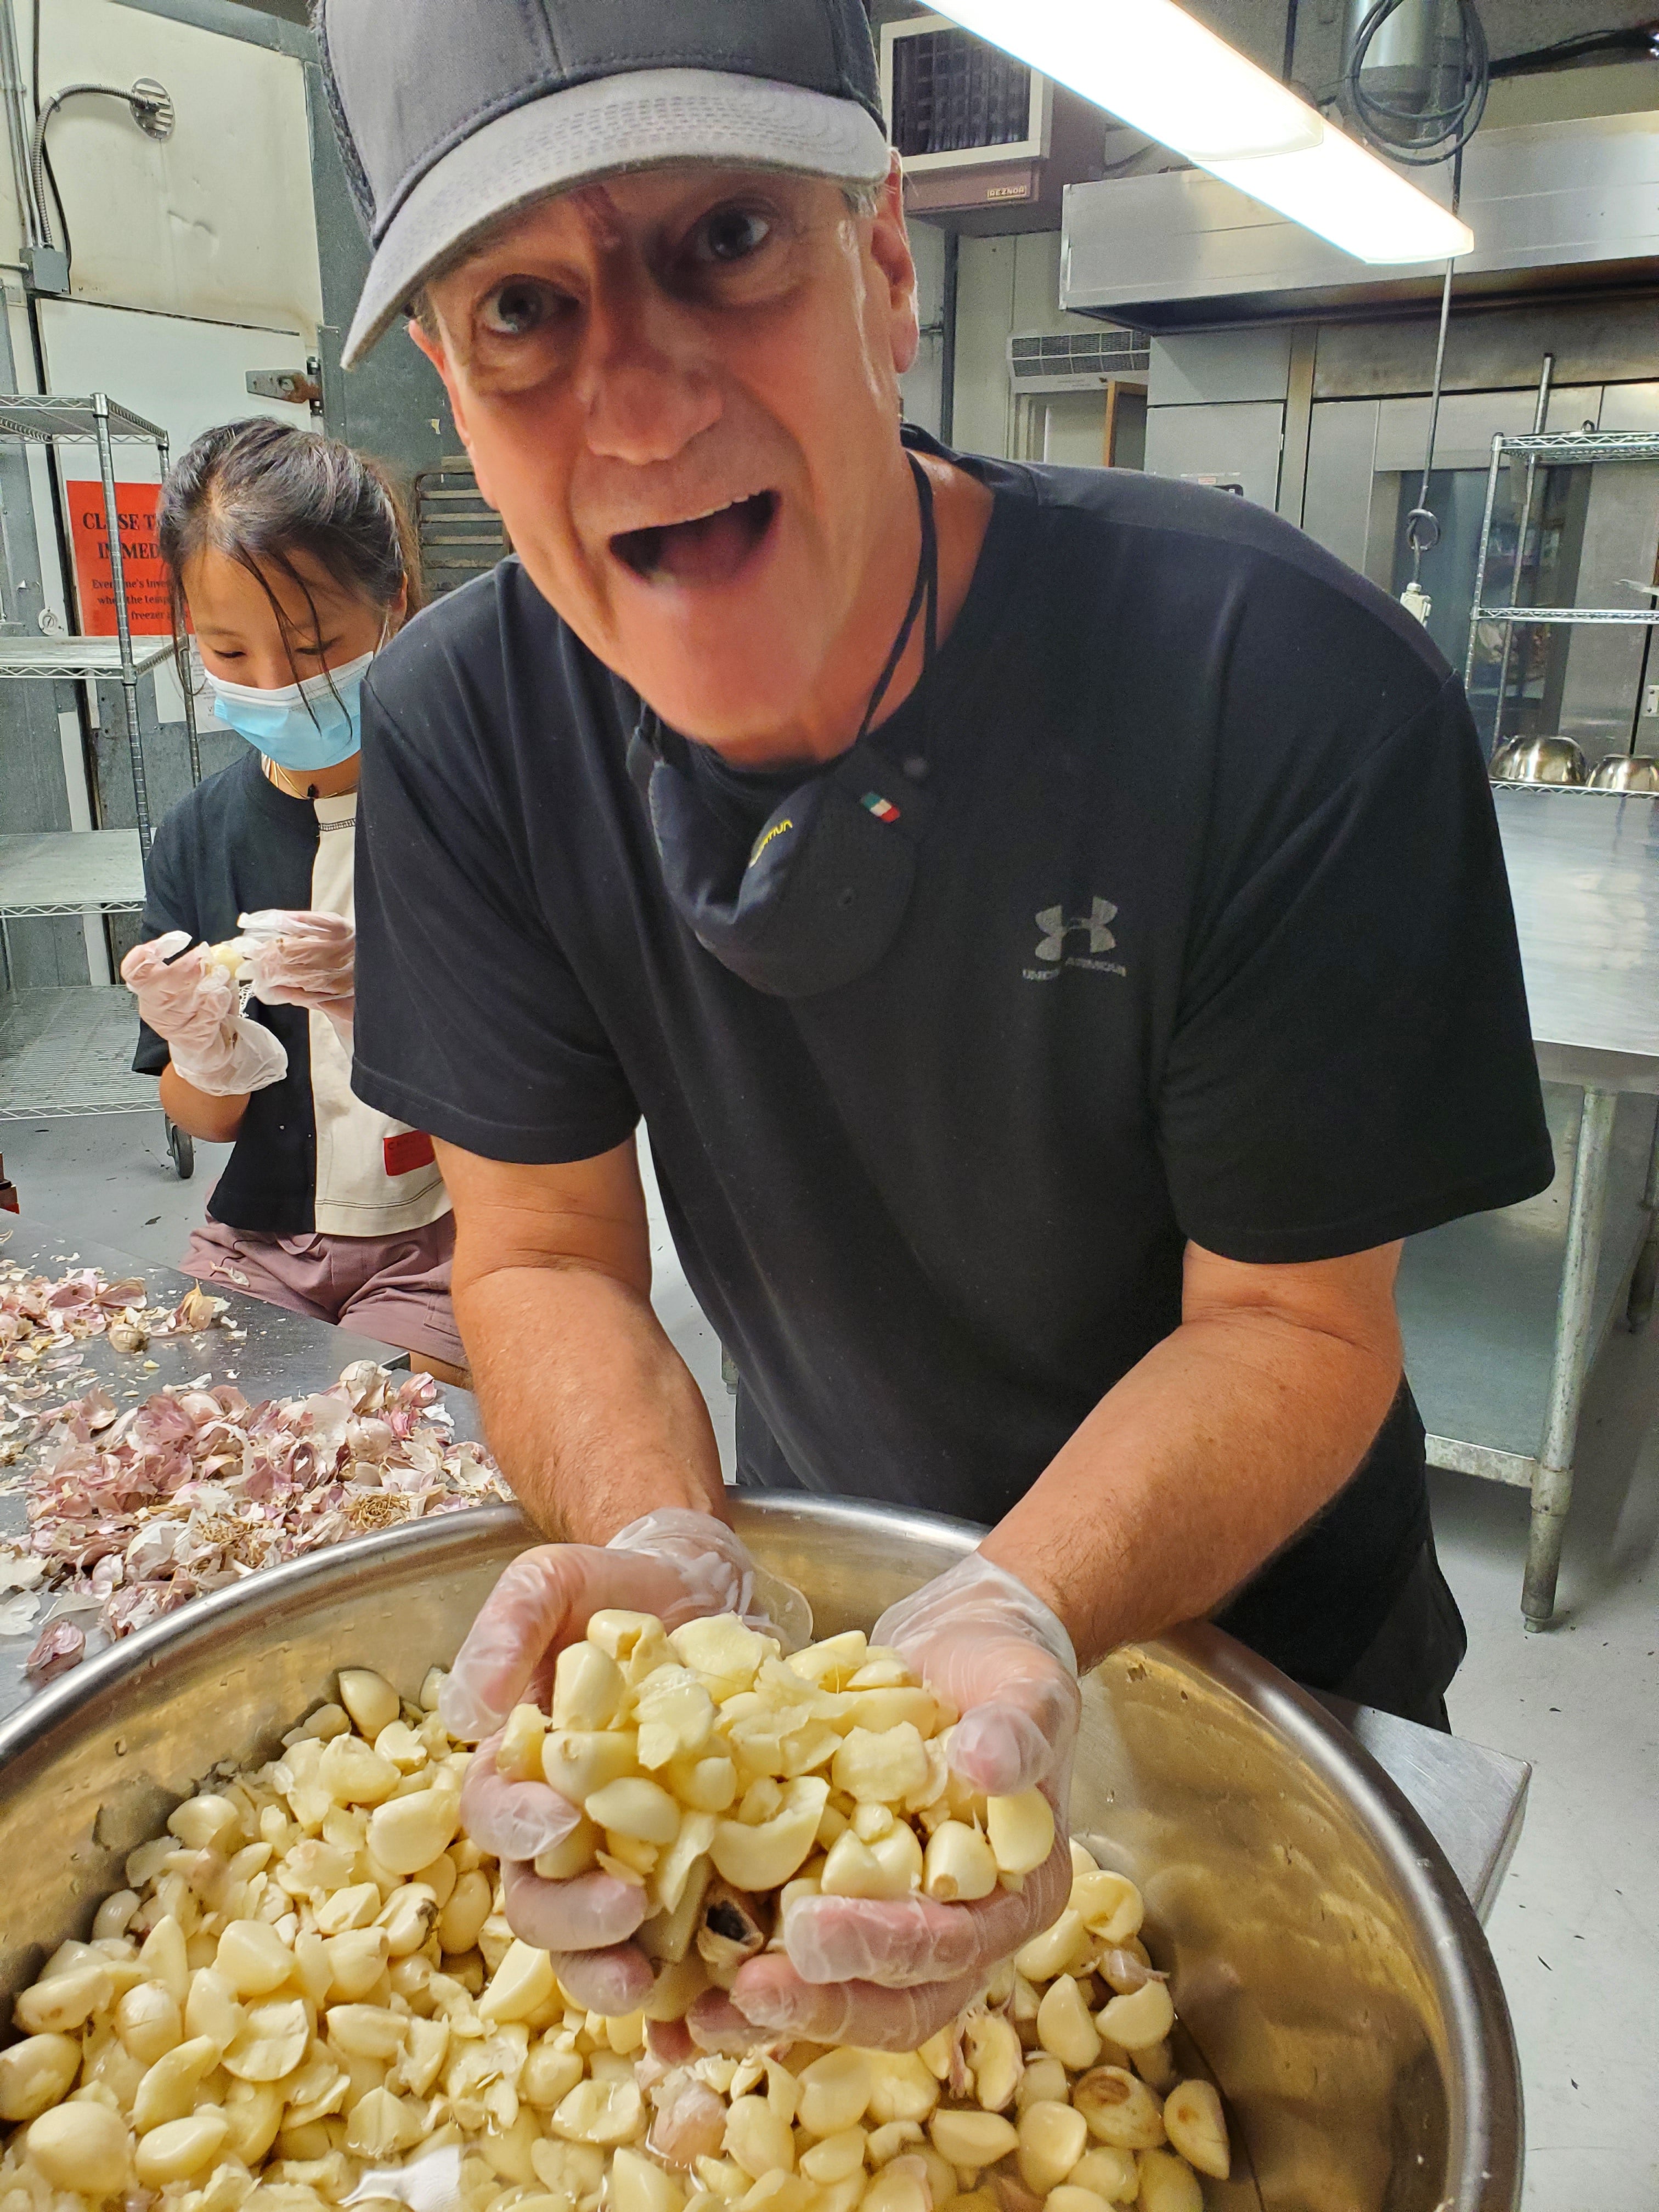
(261, 492)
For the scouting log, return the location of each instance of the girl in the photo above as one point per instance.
(291, 554)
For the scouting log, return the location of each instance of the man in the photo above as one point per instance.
(1053, 924)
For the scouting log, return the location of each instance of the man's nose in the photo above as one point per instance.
(647, 390)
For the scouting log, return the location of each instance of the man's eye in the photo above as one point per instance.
(518, 306)
(731, 234)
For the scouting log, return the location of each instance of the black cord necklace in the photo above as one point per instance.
(923, 592)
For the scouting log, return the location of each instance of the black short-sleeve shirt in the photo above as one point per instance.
(1211, 940)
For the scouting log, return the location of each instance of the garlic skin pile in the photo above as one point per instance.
(308, 1980)
(701, 1757)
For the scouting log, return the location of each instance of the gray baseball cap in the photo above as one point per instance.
(452, 113)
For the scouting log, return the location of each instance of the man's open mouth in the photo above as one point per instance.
(708, 549)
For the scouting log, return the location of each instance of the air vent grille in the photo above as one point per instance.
(1076, 360)
(952, 92)
(461, 536)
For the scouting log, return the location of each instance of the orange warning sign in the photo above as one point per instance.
(141, 559)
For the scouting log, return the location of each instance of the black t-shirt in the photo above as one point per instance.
(309, 1157)
(1211, 940)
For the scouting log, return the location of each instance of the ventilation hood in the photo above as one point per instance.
(1556, 207)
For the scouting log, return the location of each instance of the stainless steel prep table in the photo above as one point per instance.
(1504, 1314)
(1471, 1798)
(284, 1355)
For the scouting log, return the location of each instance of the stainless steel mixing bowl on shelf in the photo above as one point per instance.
(1329, 1971)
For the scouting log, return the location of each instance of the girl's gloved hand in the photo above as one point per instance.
(303, 958)
(675, 1563)
(195, 1006)
(889, 1975)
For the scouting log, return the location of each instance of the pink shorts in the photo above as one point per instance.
(394, 1288)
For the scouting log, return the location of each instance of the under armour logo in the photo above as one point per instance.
(1055, 928)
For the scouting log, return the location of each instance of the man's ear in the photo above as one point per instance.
(889, 248)
(431, 343)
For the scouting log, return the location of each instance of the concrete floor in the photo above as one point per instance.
(1574, 1931)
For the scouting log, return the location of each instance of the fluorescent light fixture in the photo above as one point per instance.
(1149, 63)
(1349, 195)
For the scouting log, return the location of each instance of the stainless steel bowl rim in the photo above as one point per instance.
(1485, 2063)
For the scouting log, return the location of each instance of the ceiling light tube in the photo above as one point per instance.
(1151, 64)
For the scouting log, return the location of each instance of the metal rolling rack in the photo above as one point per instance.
(1591, 982)
(79, 872)
(1569, 448)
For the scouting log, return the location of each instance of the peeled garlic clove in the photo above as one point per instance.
(1193, 2122)
(1144, 2017)
(82, 2147)
(167, 2091)
(576, 1761)
(991, 2046)
(1119, 2109)
(880, 1768)
(370, 1699)
(353, 1773)
(180, 2147)
(572, 1855)
(1052, 2139)
(253, 1959)
(521, 1985)
(1020, 1830)
(889, 1867)
(764, 1857)
(147, 2021)
(600, 2113)
(518, 1754)
(1110, 2174)
(364, 2031)
(758, 2139)
(271, 2045)
(1063, 2027)
(960, 1864)
(834, 2092)
(36, 2073)
(408, 1832)
(1167, 2184)
(1056, 1951)
(60, 2005)
(972, 2140)
(1108, 1904)
(635, 1807)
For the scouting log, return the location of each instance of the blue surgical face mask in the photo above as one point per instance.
(304, 726)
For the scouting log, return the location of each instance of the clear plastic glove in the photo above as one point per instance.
(675, 1563)
(194, 1006)
(887, 1975)
(303, 957)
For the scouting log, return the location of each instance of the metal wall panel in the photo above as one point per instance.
(1241, 441)
(1341, 471)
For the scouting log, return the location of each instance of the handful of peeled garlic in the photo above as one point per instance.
(705, 1764)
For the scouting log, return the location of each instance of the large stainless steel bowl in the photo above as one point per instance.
(1330, 1970)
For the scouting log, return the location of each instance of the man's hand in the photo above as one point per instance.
(887, 1976)
(675, 1564)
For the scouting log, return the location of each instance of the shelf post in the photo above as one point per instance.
(181, 659)
(123, 624)
(1481, 561)
(1540, 413)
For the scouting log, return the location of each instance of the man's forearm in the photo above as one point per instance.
(1205, 1459)
(593, 1415)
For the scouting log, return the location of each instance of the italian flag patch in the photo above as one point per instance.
(883, 809)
